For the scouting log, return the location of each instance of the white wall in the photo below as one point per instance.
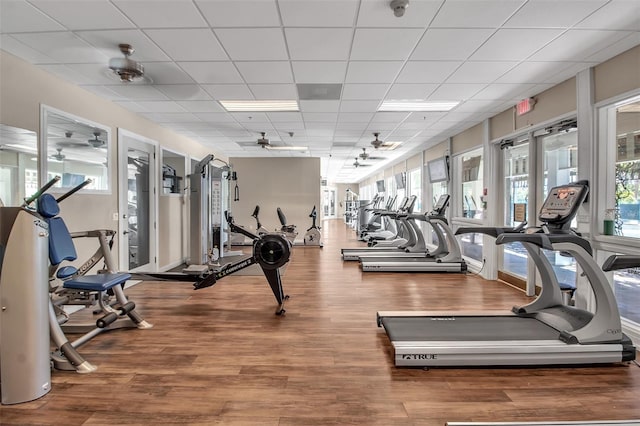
(293, 184)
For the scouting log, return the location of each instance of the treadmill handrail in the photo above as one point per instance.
(621, 261)
(494, 232)
(544, 241)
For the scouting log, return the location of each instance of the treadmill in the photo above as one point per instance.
(446, 258)
(384, 246)
(544, 332)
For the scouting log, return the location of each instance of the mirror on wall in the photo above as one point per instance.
(173, 172)
(75, 149)
(18, 164)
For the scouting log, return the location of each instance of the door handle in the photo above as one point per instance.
(125, 232)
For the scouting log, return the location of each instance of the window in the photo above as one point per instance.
(415, 187)
(627, 172)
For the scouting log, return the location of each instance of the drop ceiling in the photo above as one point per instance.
(485, 54)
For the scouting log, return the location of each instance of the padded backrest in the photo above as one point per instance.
(60, 243)
(281, 216)
(48, 206)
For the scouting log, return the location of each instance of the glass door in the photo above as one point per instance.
(516, 170)
(329, 203)
(137, 203)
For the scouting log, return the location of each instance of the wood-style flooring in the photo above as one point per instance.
(220, 356)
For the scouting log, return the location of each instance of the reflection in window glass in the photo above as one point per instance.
(627, 191)
(437, 189)
(472, 185)
(626, 284)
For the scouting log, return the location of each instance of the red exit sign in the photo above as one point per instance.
(525, 105)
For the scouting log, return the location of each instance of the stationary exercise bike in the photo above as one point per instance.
(313, 236)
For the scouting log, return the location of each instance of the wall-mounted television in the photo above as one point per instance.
(438, 169)
(380, 185)
(401, 180)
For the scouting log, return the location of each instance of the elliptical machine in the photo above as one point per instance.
(313, 236)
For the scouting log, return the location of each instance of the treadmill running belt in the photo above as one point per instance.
(467, 328)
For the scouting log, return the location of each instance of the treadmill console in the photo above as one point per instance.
(441, 205)
(562, 204)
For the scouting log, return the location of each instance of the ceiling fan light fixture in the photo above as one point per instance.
(126, 69)
(403, 105)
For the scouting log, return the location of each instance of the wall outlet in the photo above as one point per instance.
(115, 217)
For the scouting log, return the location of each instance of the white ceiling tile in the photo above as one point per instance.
(107, 42)
(215, 117)
(532, 72)
(171, 117)
(138, 92)
(288, 126)
(103, 92)
(578, 45)
(371, 44)
(285, 117)
(355, 117)
(480, 72)
(372, 71)
(319, 71)
(616, 48)
(615, 15)
(456, 92)
(359, 106)
(228, 91)
(319, 106)
(326, 117)
(188, 44)
(351, 127)
(363, 91)
(414, 125)
(131, 106)
(253, 44)
(571, 71)
(319, 44)
(265, 72)
(161, 106)
(501, 46)
(426, 71)
(212, 72)
(390, 117)
(63, 47)
(97, 73)
(424, 116)
(184, 92)
(84, 15)
(410, 91)
(318, 13)
(166, 73)
(376, 14)
(21, 50)
(475, 13)
(250, 117)
(274, 91)
(20, 16)
(201, 106)
(245, 13)
(67, 73)
(162, 13)
(473, 105)
(450, 44)
(553, 14)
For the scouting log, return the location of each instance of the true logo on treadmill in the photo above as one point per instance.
(419, 356)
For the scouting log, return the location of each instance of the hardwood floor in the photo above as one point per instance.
(221, 356)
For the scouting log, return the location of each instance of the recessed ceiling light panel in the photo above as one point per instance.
(413, 105)
(261, 106)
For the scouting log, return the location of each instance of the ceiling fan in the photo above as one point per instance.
(357, 164)
(59, 156)
(365, 155)
(126, 69)
(96, 142)
(264, 143)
